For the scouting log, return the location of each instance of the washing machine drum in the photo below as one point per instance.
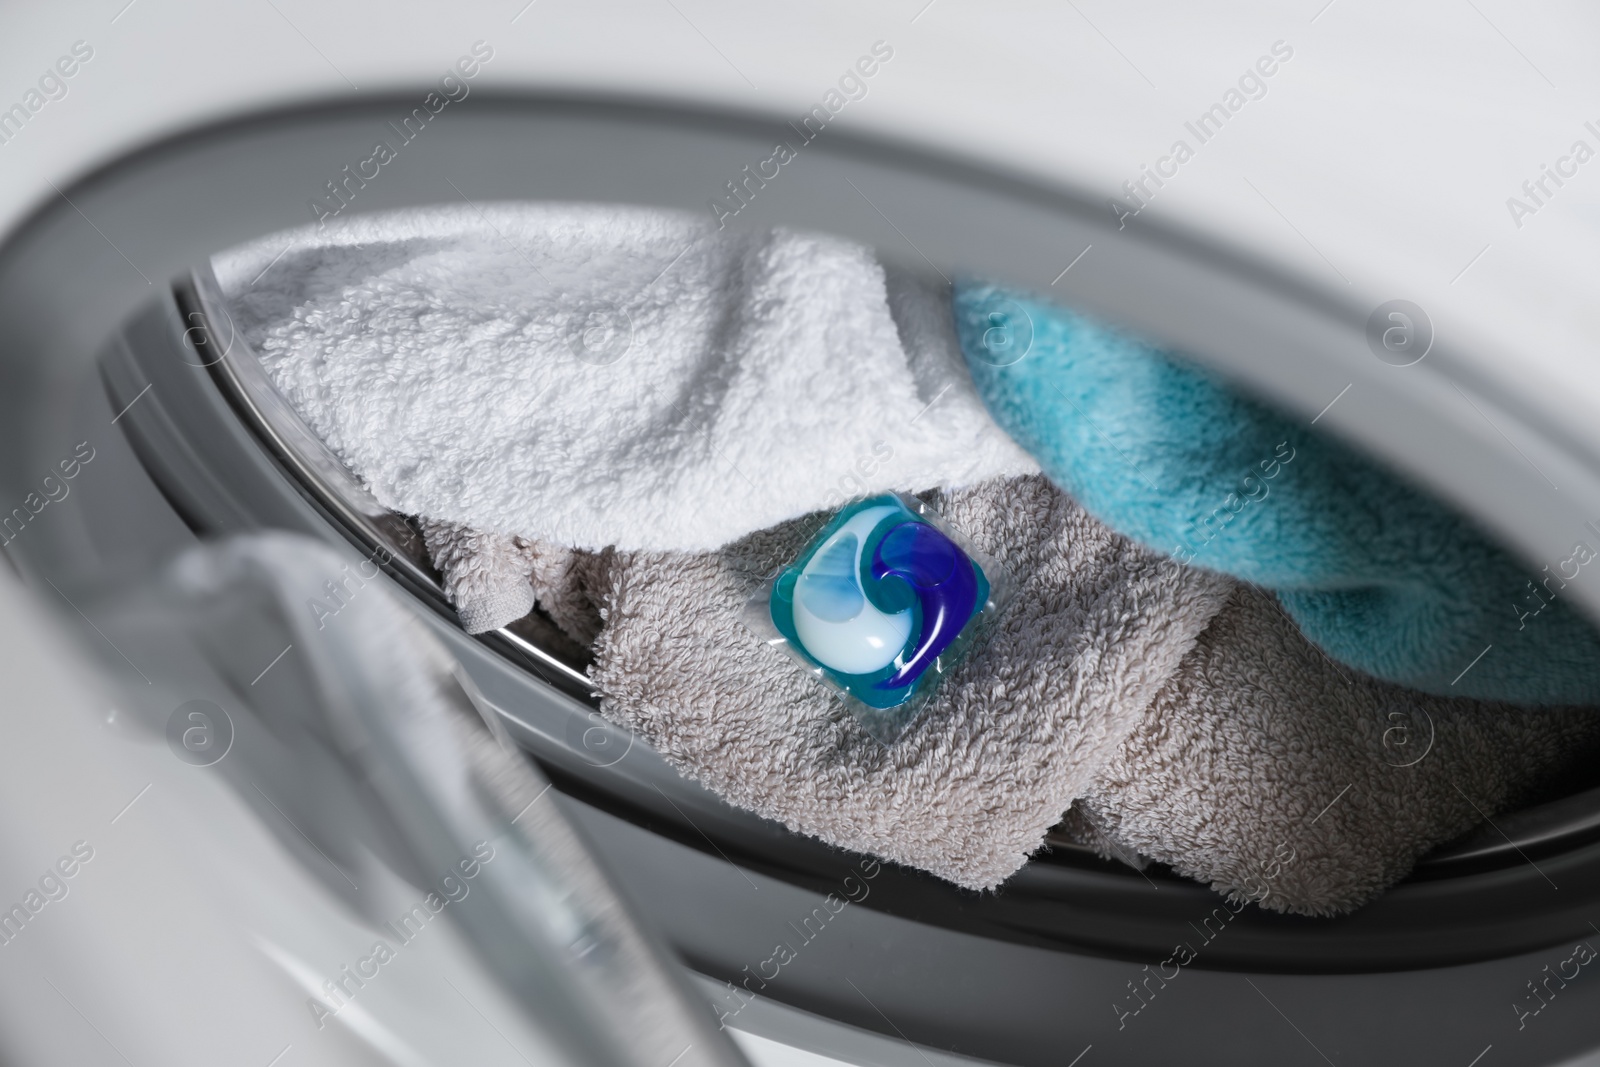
(386, 764)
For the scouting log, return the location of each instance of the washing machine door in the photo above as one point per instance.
(240, 834)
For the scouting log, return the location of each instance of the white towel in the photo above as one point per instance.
(596, 376)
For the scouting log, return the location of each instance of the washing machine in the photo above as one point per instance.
(225, 899)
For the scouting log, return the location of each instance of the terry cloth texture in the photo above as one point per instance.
(1270, 773)
(486, 575)
(1378, 574)
(1010, 738)
(1183, 711)
(496, 578)
(595, 376)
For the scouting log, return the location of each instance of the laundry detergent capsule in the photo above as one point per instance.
(880, 606)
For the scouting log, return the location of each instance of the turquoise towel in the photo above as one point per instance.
(1377, 574)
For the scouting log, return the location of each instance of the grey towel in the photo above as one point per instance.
(1182, 711)
(1017, 731)
(1270, 772)
(486, 574)
(1011, 738)
(495, 578)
